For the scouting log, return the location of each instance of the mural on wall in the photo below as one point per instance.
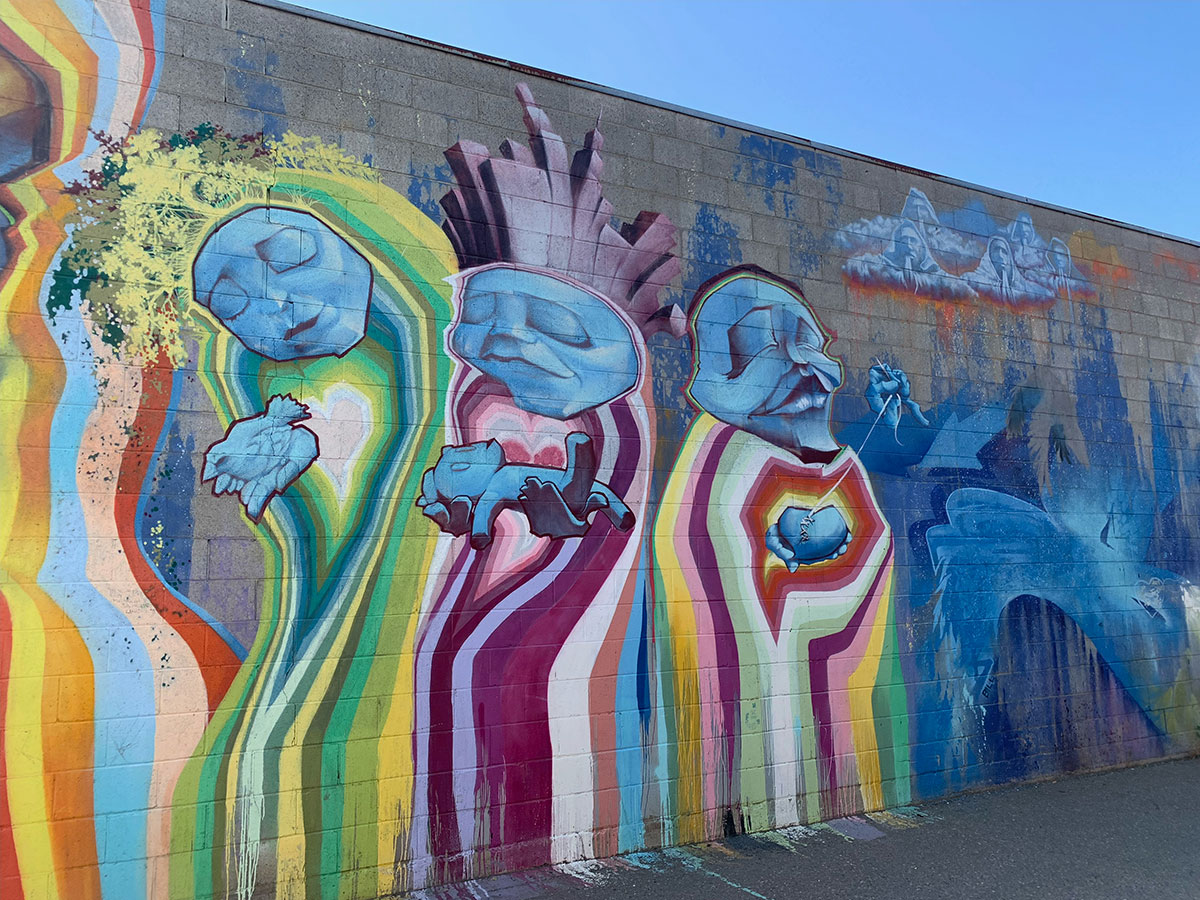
(315, 298)
(1045, 468)
(960, 256)
(351, 546)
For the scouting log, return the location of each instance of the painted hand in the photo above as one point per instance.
(548, 512)
(260, 456)
(889, 391)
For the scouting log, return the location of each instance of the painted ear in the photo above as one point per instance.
(748, 336)
(495, 453)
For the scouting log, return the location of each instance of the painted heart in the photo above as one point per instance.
(803, 537)
(338, 421)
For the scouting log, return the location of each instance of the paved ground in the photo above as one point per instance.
(1133, 833)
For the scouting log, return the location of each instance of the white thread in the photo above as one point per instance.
(808, 520)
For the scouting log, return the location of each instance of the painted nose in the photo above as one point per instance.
(810, 359)
(798, 352)
(510, 321)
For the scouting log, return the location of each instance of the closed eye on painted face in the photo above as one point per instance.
(762, 330)
(559, 349)
(750, 336)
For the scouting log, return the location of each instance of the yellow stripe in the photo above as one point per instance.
(35, 35)
(396, 764)
(24, 751)
(684, 647)
(27, 781)
(860, 686)
(274, 545)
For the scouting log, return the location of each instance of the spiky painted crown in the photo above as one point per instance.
(532, 206)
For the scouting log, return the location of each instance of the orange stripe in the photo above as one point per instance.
(61, 34)
(218, 663)
(145, 27)
(69, 754)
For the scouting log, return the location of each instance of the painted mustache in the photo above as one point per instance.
(810, 391)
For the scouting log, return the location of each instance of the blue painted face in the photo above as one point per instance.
(908, 250)
(760, 363)
(559, 349)
(285, 284)
(1023, 231)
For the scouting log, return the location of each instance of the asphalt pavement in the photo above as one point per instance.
(1130, 833)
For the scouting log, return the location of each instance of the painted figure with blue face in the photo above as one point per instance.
(285, 284)
(343, 283)
(772, 563)
(761, 364)
(538, 603)
(557, 347)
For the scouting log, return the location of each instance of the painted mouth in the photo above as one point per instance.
(810, 392)
(300, 328)
(538, 359)
(507, 359)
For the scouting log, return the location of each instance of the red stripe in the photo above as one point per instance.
(10, 875)
(145, 27)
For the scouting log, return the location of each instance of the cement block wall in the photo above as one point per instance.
(410, 480)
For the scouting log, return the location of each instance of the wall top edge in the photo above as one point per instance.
(533, 71)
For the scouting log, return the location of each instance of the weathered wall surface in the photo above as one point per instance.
(407, 479)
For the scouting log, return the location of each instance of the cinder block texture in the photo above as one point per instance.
(422, 467)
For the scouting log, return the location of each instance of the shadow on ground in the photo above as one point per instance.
(1109, 836)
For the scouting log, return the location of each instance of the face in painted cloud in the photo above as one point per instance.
(1002, 257)
(558, 348)
(908, 249)
(760, 362)
(1023, 231)
(1059, 256)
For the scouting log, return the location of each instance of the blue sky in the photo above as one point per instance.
(1088, 105)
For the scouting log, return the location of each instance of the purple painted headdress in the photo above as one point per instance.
(532, 206)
